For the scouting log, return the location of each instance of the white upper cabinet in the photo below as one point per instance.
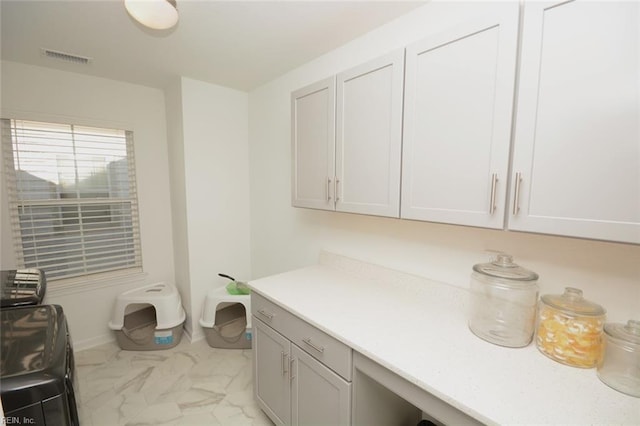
(576, 164)
(457, 124)
(313, 145)
(369, 137)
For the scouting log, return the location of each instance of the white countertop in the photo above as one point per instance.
(418, 329)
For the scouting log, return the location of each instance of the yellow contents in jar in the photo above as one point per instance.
(575, 341)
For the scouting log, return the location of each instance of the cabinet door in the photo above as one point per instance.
(313, 145)
(319, 396)
(369, 137)
(271, 385)
(459, 89)
(576, 166)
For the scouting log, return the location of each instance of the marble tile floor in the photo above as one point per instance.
(191, 384)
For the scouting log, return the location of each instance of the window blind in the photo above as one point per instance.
(72, 198)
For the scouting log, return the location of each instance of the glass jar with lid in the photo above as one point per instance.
(503, 302)
(570, 328)
(619, 366)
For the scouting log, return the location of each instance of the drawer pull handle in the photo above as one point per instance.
(313, 345)
(266, 314)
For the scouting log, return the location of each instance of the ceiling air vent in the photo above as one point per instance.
(67, 57)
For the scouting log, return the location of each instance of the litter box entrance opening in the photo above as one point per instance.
(140, 322)
(231, 321)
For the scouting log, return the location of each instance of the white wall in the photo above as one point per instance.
(175, 139)
(284, 238)
(44, 94)
(214, 152)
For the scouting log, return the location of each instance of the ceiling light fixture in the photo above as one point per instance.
(156, 14)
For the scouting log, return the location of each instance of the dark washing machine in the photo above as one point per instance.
(21, 287)
(37, 366)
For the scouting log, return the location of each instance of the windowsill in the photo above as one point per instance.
(94, 282)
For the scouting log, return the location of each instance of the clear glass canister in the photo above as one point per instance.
(620, 364)
(503, 302)
(570, 328)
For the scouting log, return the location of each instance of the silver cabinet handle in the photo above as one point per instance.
(516, 194)
(328, 189)
(313, 345)
(336, 191)
(266, 314)
(291, 370)
(494, 181)
(282, 363)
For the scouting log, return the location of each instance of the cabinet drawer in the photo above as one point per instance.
(321, 346)
(331, 352)
(271, 314)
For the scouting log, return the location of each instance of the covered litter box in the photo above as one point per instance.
(148, 318)
(226, 319)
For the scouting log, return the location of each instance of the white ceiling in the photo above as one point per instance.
(237, 44)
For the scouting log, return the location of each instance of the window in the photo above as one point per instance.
(72, 196)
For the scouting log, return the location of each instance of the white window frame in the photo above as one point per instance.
(125, 233)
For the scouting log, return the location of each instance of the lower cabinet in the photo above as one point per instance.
(271, 384)
(292, 385)
(305, 377)
(318, 395)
